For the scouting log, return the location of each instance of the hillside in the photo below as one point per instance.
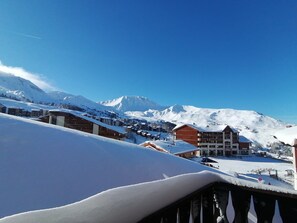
(255, 126)
(21, 89)
(287, 136)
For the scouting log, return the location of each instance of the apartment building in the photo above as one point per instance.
(219, 140)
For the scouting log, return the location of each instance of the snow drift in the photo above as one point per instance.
(45, 166)
(125, 204)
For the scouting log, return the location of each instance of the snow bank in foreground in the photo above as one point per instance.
(45, 166)
(127, 204)
(133, 203)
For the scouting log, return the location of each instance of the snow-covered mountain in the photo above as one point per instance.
(18, 88)
(21, 89)
(256, 127)
(77, 100)
(132, 103)
(253, 125)
(288, 135)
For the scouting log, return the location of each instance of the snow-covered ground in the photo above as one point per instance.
(45, 166)
(249, 168)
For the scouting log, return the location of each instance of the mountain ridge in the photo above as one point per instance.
(132, 103)
(21, 89)
(251, 124)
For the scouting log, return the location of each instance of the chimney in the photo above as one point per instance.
(295, 162)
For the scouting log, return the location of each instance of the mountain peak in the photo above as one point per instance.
(20, 88)
(132, 103)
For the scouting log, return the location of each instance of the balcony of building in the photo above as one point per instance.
(230, 202)
(195, 197)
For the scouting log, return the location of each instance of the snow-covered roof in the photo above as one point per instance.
(218, 128)
(115, 204)
(287, 135)
(175, 147)
(190, 125)
(244, 139)
(208, 128)
(45, 166)
(80, 115)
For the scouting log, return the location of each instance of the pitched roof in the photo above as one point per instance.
(212, 128)
(244, 139)
(190, 125)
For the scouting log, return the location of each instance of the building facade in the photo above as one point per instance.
(83, 123)
(220, 140)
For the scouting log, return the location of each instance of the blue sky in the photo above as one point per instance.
(206, 53)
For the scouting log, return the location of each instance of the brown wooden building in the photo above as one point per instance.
(83, 123)
(188, 133)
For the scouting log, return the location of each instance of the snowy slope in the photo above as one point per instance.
(288, 135)
(44, 166)
(28, 106)
(21, 89)
(255, 126)
(64, 98)
(132, 103)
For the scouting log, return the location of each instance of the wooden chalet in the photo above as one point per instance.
(83, 123)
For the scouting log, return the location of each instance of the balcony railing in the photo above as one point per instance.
(209, 204)
(194, 197)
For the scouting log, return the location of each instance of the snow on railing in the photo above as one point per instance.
(231, 201)
(195, 197)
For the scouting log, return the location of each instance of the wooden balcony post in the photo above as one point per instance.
(264, 206)
(241, 200)
(184, 212)
(288, 209)
(170, 216)
(221, 196)
(207, 206)
(196, 209)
